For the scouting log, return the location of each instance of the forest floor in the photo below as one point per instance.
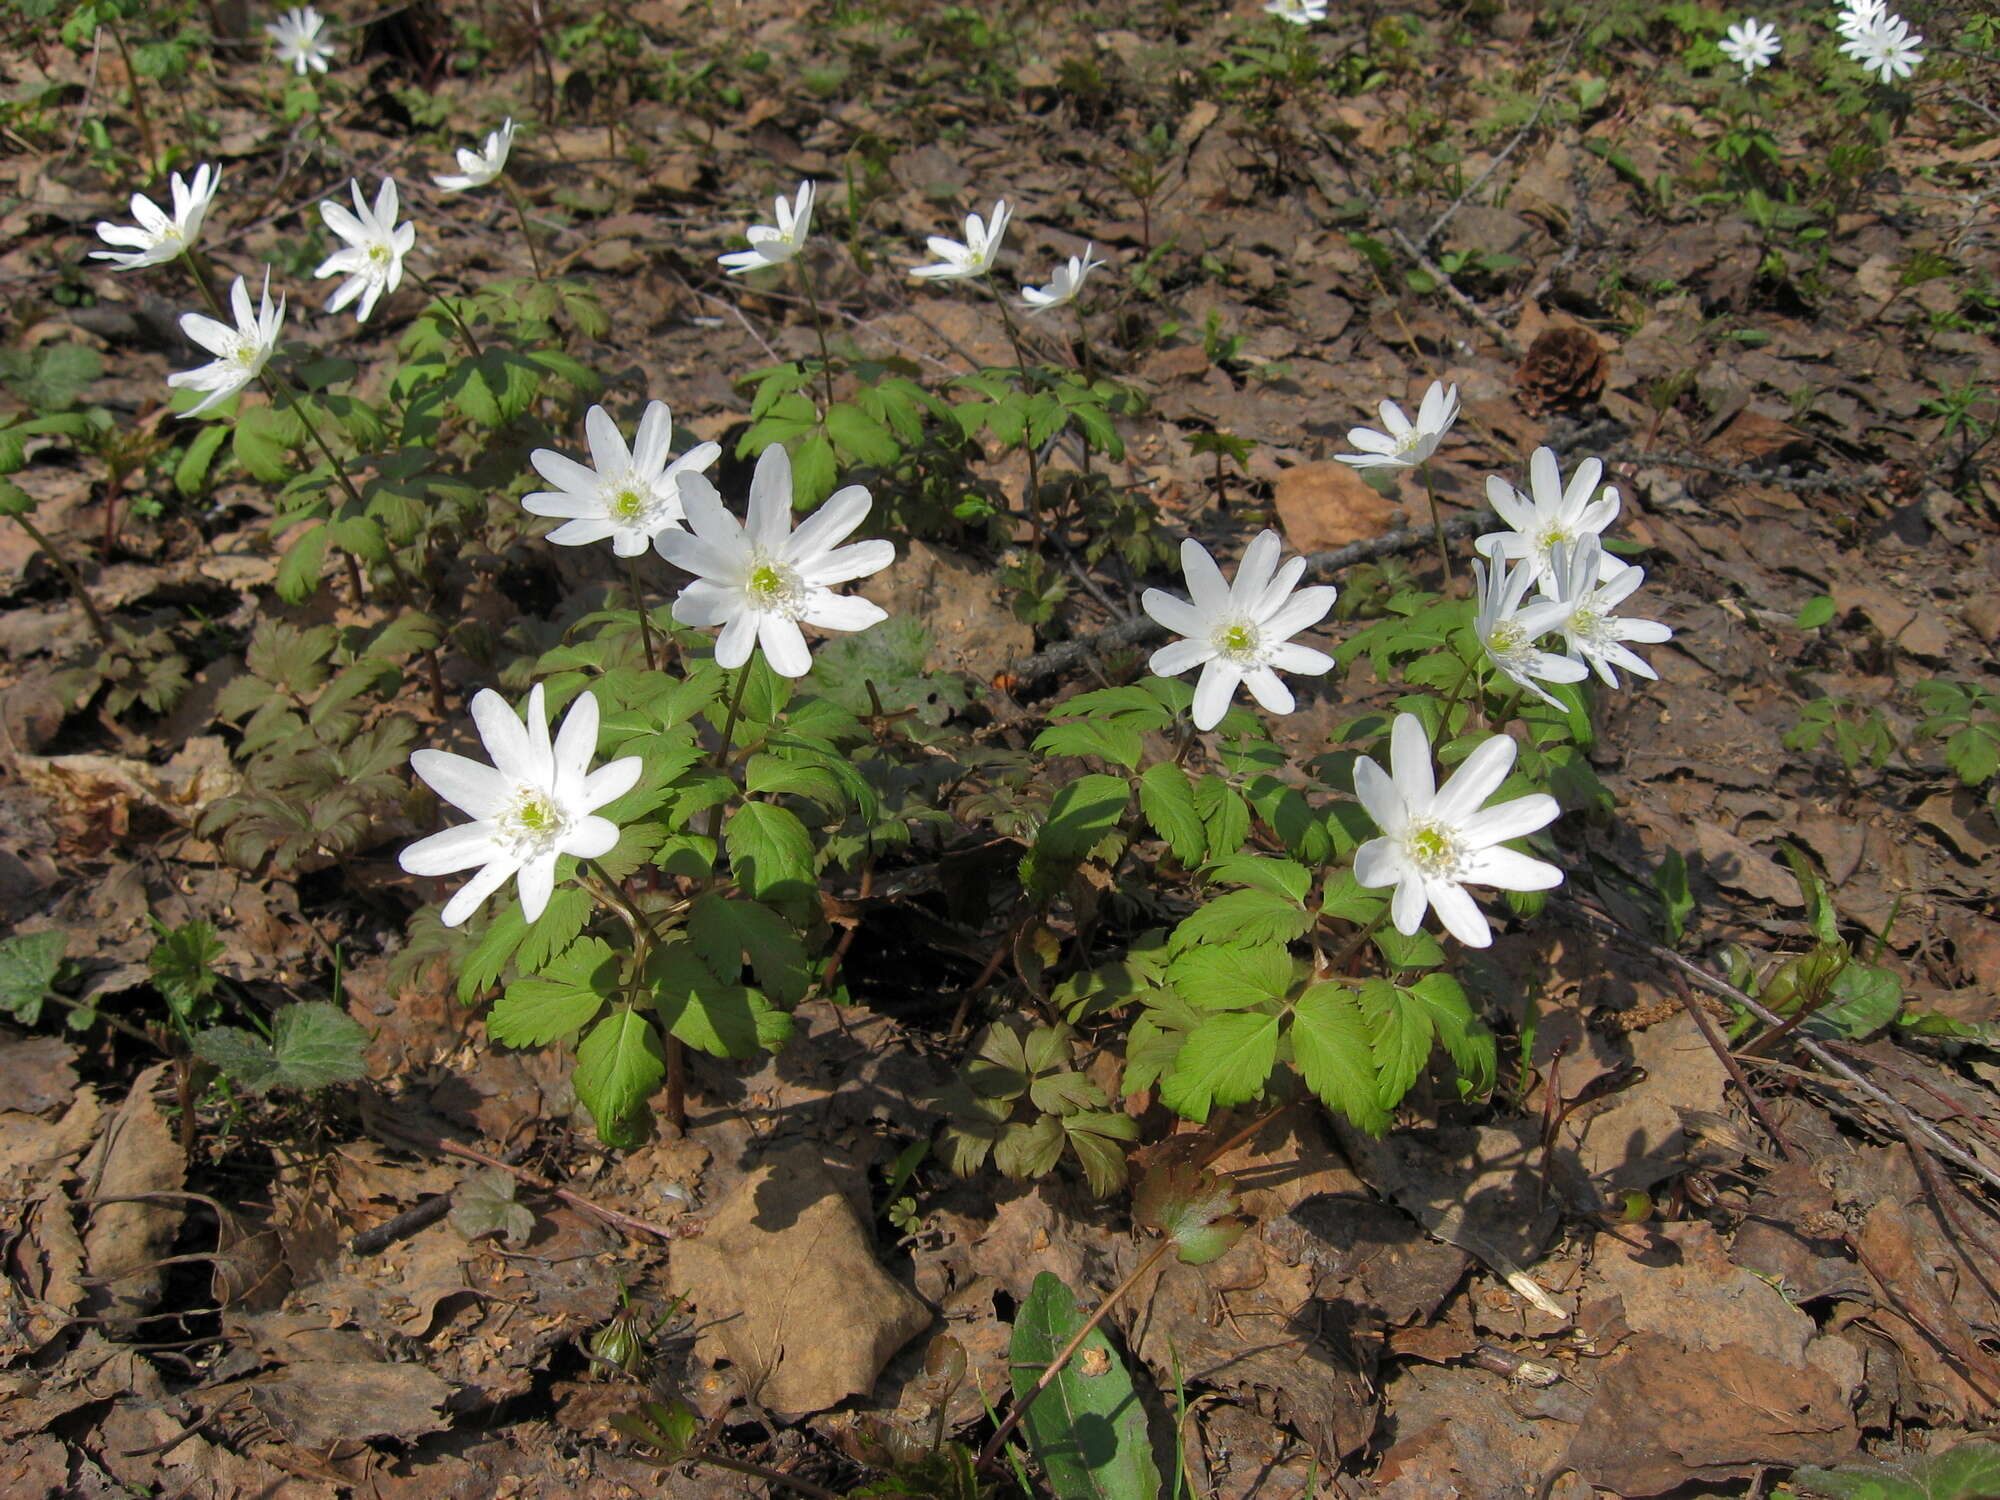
(1789, 365)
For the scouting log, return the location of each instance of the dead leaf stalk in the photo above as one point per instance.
(1751, 1099)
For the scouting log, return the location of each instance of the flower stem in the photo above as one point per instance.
(639, 607)
(437, 295)
(521, 213)
(809, 284)
(729, 723)
(1437, 525)
(1027, 423)
(70, 576)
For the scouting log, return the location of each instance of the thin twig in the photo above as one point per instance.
(1934, 1138)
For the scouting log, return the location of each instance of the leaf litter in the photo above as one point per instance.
(200, 1322)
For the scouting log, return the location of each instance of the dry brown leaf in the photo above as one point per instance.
(1664, 1417)
(35, 1074)
(789, 1291)
(136, 1155)
(1329, 505)
(315, 1404)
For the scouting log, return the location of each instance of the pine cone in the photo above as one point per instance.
(1565, 367)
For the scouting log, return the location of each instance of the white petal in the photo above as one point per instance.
(770, 518)
(857, 560)
(1377, 863)
(536, 883)
(1478, 777)
(575, 748)
(1269, 690)
(1254, 573)
(1509, 820)
(655, 436)
(1368, 440)
(592, 838)
(608, 453)
(737, 640)
(784, 646)
(1206, 584)
(1460, 914)
(1174, 659)
(610, 781)
(1410, 764)
(1510, 870)
(477, 790)
(584, 531)
(1212, 692)
(477, 889)
(1380, 798)
(506, 738)
(706, 603)
(1175, 613)
(844, 510)
(1302, 611)
(452, 850)
(1408, 905)
(1290, 656)
(842, 612)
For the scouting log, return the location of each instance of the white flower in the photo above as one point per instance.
(760, 582)
(1885, 47)
(1405, 445)
(477, 168)
(296, 37)
(1239, 632)
(376, 245)
(1064, 285)
(631, 496)
(973, 258)
(533, 805)
(1750, 44)
(240, 352)
(1436, 842)
(1588, 594)
(1509, 632)
(1857, 16)
(773, 247)
(159, 237)
(1298, 12)
(1557, 513)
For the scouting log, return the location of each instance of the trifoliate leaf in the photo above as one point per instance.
(1250, 917)
(723, 931)
(1082, 812)
(1166, 797)
(770, 853)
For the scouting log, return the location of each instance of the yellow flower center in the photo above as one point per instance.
(532, 823)
(1238, 641)
(629, 504)
(1432, 848)
(774, 587)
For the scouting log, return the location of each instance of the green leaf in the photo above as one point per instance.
(489, 957)
(1224, 1061)
(1335, 1054)
(1231, 976)
(484, 1204)
(1224, 814)
(29, 962)
(1087, 1430)
(1466, 1040)
(191, 473)
(51, 377)
(723, 931)
(1967, 1471)
(540, 1009)
(1196, 1209)
(313, 1044)
(721, 1017)
(263, 441)
(183, 964)
(1082, 812)
(1399, 1038)
(299, 569)
(814, 471)
(1815, 612)
(1166, 797)
(865, 439)
(1251, 916)
(618, 1066)
(770, 854)
(1118, 743)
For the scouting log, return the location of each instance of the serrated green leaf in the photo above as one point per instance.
(770, 854)
(29, 962)
(317, 1044)
(1087, 1429)
(1399, 1038)
(1967, 1471)
(1081, 813)
(541, 1008)
(1166, 797)
(1225, 1061)
(482, 967)
(1335, 1055)
(484, 1204)
(723, 931)
(1224, 814)
(618, 1066)
(1247, 917)
(1118, 743)
(1231, 976)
